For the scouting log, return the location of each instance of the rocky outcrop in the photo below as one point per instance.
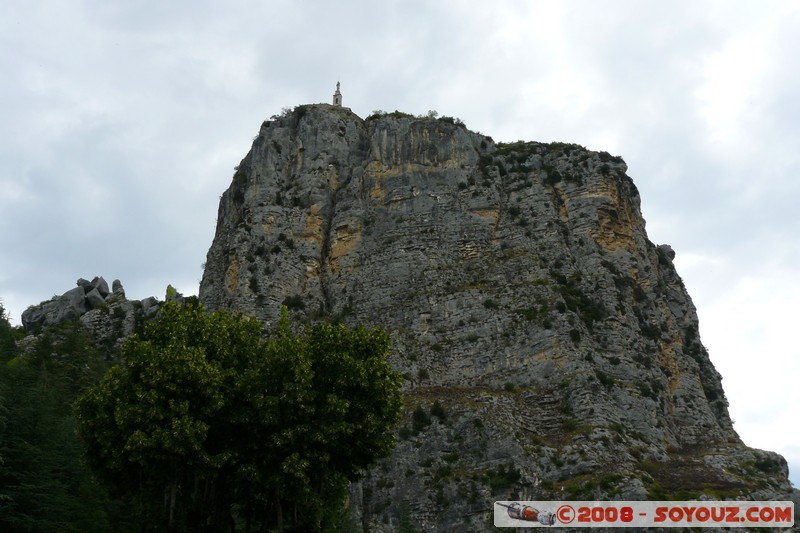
(69, 306)
(550, 349)
(108, 315)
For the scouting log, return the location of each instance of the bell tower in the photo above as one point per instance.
(337, 96)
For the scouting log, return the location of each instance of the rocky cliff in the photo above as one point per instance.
(550, 350)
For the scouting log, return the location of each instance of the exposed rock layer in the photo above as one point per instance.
(555, 345)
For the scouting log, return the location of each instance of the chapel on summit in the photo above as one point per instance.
(337, 96)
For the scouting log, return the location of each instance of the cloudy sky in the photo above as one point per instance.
(121, 122)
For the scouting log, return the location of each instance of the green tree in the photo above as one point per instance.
(44, 485)
(327, 401)
(205, 425)
(7, 350)
(9, 335)
(158, 428)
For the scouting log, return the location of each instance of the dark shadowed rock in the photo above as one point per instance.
(667, 251)
(94, 299)
(150, 307)
(148, 302)
(101, 285)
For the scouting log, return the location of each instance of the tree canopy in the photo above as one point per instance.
(227, 428)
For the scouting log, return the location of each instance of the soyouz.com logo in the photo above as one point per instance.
(643, 514)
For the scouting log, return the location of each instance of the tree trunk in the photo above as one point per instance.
(280, 513)
(173, 494)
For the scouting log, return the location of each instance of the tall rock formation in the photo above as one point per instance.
(550, 350)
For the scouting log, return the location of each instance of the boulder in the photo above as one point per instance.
(148, 302)
(69, 306)
(667, 251)
(152, 311)
(95, 299)
(150, 306)
(101, 285)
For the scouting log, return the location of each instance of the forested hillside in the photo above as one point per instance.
(43, 485)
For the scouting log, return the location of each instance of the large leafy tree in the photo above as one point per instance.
(325, 403)
(204, 424)
(155, 427)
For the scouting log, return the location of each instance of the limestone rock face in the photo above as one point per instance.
(550, 349)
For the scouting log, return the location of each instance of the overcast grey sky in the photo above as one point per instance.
(121, 122)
